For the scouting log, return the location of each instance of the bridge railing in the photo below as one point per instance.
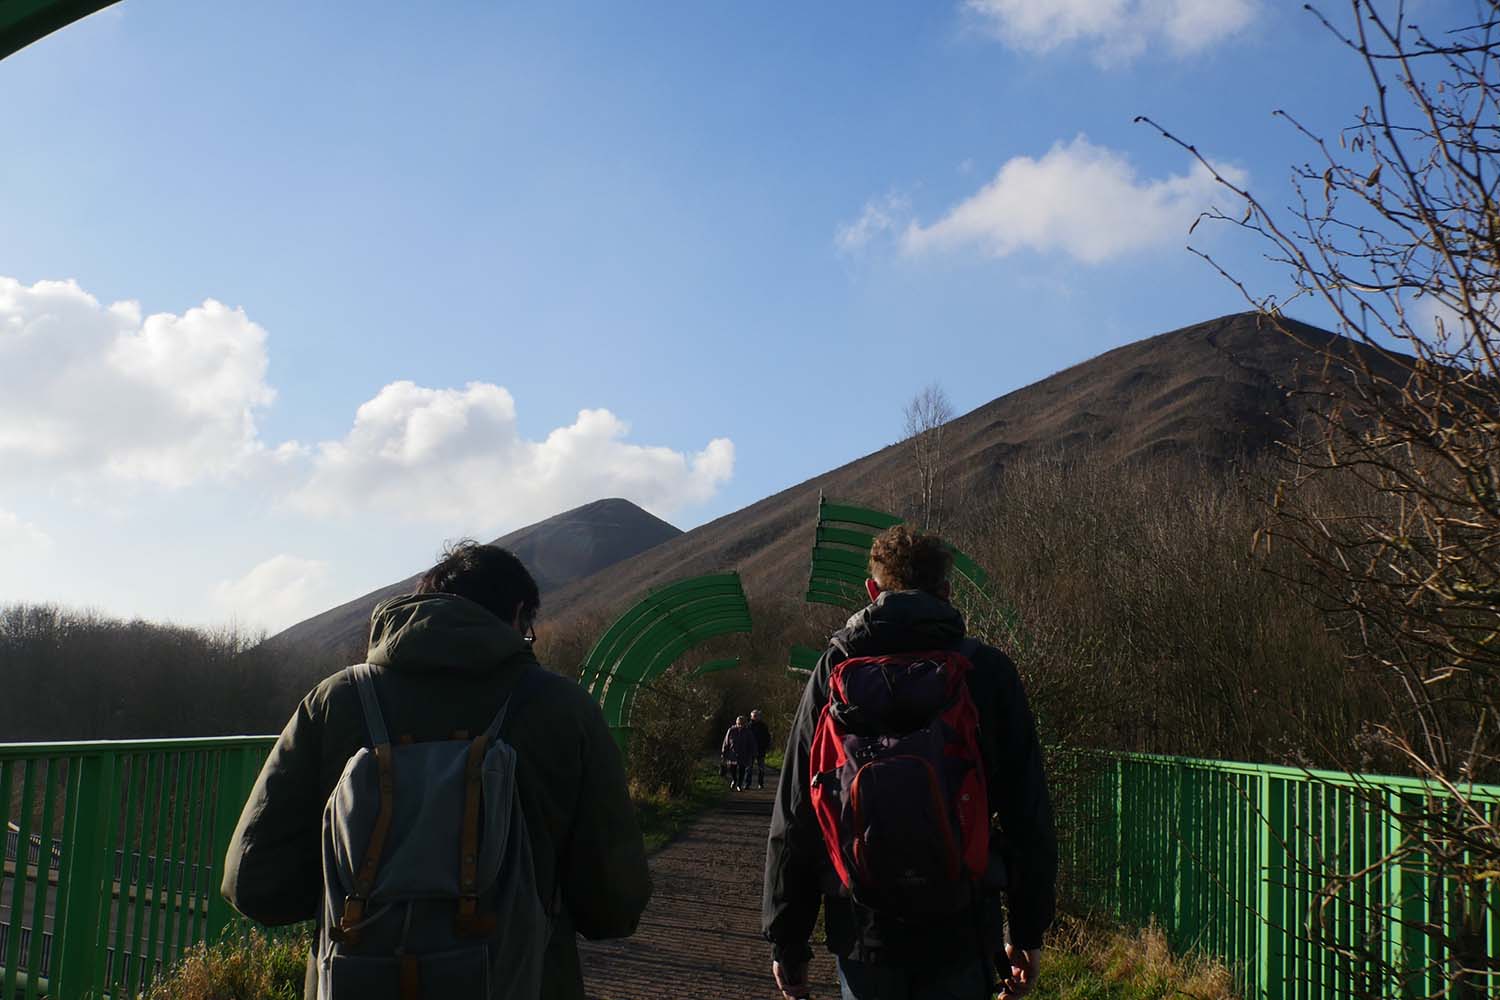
(135, 833)
(1308, 884)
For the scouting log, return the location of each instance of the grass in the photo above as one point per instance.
(1089, 961)
(662, 817)
(257, 967)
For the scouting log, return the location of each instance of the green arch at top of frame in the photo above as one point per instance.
(659, 603)
(24, 21)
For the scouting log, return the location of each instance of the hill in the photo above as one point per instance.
(1213, 392)
(558, 551)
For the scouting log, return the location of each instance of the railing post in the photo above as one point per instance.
(237, 773)
(85, 881)
(1269, 899)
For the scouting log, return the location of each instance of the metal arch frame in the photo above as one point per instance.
(840, 566)
(714, 666)
(801, 661)
(648, 639)
(25, 21)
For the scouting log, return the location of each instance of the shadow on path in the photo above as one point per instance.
(700, 936)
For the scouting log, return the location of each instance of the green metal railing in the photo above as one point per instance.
(113, 858)
(1308, 884)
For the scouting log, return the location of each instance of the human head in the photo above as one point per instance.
(492, 577)
(739, 720)
(903, 558)
(755, 713)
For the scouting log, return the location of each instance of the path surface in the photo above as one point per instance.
(700, 936)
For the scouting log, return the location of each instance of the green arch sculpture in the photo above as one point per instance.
(646, 640)
(840, 566)
(24, 21)
(714, 666)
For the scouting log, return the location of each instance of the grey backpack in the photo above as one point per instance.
(428, 886)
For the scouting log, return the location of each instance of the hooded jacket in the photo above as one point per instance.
(799, 874)
(445, 663)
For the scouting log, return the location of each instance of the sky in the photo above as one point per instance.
(292, 293)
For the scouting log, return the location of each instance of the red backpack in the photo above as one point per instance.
(898, 782)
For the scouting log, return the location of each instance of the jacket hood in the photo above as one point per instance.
(426, 632)
(901, 621)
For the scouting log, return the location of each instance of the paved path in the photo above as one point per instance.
(700, 936)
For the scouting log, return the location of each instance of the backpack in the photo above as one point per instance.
(428, 886)
(898, 783)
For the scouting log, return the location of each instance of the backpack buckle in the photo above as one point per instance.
(347, 932)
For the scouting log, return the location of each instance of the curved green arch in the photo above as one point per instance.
(840, 566)
(714, 666)
(646, 640)
(24, 21)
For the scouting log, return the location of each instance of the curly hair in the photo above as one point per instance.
(905, 559)
(488, 575)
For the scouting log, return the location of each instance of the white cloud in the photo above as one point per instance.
(20, 540)
(90, 389)
(279, 592)
(880, 217)
(1116, 30)
(456, 456)
(1079, 199)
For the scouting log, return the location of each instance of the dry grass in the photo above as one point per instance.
(259, 967)
(1087, 961)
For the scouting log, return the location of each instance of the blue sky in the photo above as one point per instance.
(737, 235)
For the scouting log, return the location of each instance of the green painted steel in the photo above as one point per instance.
(24, 21)
(114, 858)
(714, 666)
(802, 660)
(1236, 860)
(650, 637)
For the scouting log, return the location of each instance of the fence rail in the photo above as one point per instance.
(1309, 884)
(135, 834)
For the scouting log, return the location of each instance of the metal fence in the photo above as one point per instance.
(1308, 884)
(135, 833)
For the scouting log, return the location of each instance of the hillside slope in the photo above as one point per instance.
(1214, 391)
(558, 551)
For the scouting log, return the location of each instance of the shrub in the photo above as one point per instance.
(255, 967)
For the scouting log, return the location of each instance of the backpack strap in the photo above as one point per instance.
(354, 904)
(363, 676)
(469, 922)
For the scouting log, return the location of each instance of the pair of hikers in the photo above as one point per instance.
(744, 747)
(452, 815)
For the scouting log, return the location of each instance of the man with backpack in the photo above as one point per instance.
(911, 799)
(450, 813)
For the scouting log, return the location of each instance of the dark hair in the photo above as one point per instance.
(488, 575)
(904, 559)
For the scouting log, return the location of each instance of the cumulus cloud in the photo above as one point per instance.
(20, 540)
(1116, 31)
(881, 216)
(1079, 199)
(92, 389)
(279, 592)
(456, 456)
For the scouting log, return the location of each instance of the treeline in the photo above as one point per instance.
(77, 675)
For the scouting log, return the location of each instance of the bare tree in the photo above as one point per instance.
(926, 417)
(1395, 228)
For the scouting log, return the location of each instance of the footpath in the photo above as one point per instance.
(700, 935)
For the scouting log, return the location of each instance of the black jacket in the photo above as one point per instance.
(799, 875)
(762, 736)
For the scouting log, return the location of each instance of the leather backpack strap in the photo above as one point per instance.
(469, 922)
(364, 880)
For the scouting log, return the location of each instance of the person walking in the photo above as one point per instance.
(935, 728)
(762, 743)
(452, 661)
(739, 747)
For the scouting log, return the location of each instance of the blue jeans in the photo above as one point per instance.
(958, 981)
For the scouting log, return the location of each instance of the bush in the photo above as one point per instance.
(669, 734)
(256, 967)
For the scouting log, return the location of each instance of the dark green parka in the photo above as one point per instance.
(447, 665)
